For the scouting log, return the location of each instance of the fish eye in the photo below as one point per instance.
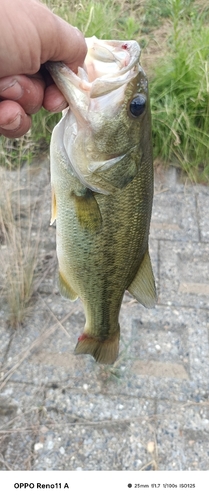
(137, 105)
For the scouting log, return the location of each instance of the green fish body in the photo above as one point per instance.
(102, 190)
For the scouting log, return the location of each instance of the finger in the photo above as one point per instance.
(13, 120)
(54, 100)
(60, 41)
(27, 91)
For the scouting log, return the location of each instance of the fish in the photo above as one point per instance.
(102, 189)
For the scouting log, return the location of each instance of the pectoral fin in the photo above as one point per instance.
(143, 285)
(65, 289)
(87, 211)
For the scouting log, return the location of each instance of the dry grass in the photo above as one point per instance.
(19, 246)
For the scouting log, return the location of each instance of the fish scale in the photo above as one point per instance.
(103, 214)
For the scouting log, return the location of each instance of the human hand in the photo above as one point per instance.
(30, 36)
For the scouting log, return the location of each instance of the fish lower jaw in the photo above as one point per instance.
(103, 351)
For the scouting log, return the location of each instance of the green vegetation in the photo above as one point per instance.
(179, 81)
(180, 96)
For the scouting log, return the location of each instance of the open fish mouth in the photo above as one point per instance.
(108, 66)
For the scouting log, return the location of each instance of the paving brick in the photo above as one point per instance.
(80, 431)
(165, 179)
(160, 370)
(203, 213)
(161, 349)
(182, 437)
(19, 424)
(59, 411)
(174, 216)
(184, 274)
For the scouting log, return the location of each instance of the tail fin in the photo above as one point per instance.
(105, 351)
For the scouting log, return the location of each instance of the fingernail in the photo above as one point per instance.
(12, 91)
(14, 125)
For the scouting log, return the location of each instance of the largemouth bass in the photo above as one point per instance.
(102, 189)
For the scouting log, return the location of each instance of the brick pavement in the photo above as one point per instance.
(149, 411)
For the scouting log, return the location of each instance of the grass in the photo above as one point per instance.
(180, 98)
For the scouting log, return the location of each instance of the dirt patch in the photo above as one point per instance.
(156, 48)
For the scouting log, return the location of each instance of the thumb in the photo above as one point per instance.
(62, 42)
(31, 35)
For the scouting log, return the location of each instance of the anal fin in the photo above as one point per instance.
(143, 285)
(65, 289)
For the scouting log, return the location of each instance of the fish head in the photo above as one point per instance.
(108, 119)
